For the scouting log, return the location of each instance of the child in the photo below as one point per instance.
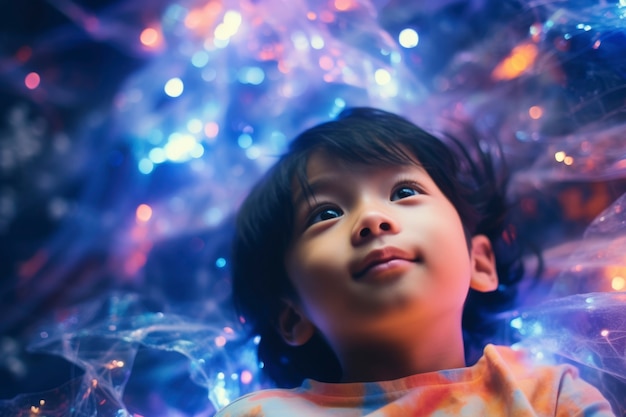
(353, 260)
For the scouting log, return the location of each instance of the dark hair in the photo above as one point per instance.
(360, 135)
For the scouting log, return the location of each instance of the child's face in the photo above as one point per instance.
(377, 249)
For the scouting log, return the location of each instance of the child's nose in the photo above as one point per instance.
(373, 224)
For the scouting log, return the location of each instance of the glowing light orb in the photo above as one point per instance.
(317, 42)
(382, 77)
(559, 156)
(174, 87)
(246, 377)
(244, 141)
(408, 38)
(143, 213)
(149, 37)
(32, 80)
(145, 166)
(535, 112)
(618, 283)
(200, 59)
(157, 155)
(251, 75)
(194, 125)
(211, 130)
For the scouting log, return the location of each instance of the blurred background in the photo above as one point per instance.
(131, 130)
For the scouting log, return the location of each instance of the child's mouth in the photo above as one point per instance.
(384, 259)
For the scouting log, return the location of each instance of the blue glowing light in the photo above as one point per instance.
(244, 141)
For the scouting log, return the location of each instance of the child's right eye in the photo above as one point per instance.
(325, 213)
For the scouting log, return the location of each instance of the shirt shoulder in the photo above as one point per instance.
(552, 389)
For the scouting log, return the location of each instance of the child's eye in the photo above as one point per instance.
(325, 213)
(404, 191)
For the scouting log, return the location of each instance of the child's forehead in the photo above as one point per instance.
(323, 160)
(323, 168)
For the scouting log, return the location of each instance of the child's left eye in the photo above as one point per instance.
(404, 192)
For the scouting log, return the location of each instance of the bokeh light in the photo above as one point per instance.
(150, 37)
(408, 38)
(618, 283)
(125, 174)
(144, 213)
(518, 62)
(174, 87)
(535, 112)
(32, 80)
(382, 77)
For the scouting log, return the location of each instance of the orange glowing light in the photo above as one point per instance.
(618, 283)
(343, 5)
(193, 19)
(311, 15)
(114, 364)
(32, 80)
(518, 61)
(201, 20)
(568, 160)
(144, 213)
(150, 37)
(535, 112)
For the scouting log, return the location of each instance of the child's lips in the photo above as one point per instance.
(381, 259)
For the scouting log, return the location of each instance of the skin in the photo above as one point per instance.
(381, 268)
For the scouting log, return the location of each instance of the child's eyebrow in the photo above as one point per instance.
(317, 186)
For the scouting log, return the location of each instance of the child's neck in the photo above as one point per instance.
(414, 353)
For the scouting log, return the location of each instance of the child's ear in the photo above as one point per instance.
(294, 327)
(484, 274)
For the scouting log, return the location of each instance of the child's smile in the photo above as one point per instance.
(381, 263)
